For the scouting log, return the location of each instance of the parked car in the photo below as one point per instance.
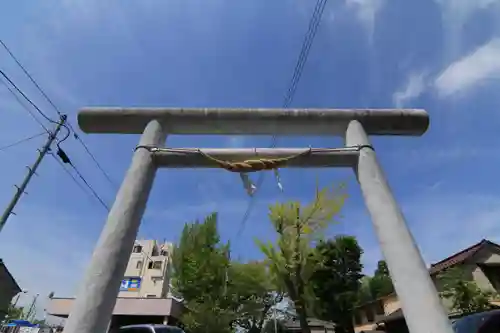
(482, 322)
(150, 328)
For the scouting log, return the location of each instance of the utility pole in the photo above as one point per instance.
(32, 170)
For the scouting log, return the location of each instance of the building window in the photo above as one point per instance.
(150, 296)
(369, 315)
(164, 253)
(156, 279)
(139, 264)
(154, 251)
(154, 265)
(357, 318)
(137, 249)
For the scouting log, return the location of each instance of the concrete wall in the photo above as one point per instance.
(124, 306)
(391, 304)
(488, 278)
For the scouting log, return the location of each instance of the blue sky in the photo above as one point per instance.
(441, 55)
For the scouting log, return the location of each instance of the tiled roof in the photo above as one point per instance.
(460, 257)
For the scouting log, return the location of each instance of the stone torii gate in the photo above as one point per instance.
(97, 296)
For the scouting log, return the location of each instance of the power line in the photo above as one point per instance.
(66, 160)
(29, 76)
(24, 106)
(2, 73)
(94, 193)
(51, 102)
(290, 93)
(69, 173)
(99, 166)
(26, 97)
(21, 141)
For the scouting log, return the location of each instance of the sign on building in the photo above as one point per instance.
(130, 284)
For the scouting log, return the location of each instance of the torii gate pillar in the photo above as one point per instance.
(97, 296)
(96, 299)
(410, 277)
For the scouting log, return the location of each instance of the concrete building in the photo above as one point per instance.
(315, 325)
(144, 295)
(148, 271)
(8, 289)
(481, 263)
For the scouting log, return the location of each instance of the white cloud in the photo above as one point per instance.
(461, 10)
(466, 218)
(455, 14)
(414, 87)
(473, 69)
(434, 218)
(366, 11)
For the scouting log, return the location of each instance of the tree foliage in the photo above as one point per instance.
(292, 259)
(465, 295)
(220, 294)
(200, 264)
(40, 322)
(253, 294)
(336, 281)
(364, 293)
(376, 286)
(381, 283)
(14, 313)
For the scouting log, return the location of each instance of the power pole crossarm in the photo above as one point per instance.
(31, 171)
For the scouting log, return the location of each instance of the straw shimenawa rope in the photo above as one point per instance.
(254, 165)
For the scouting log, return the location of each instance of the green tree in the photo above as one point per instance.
(253, 294)
(40, 322)
(14, 313)
(465, 295)
(201, 265)
(220, 294)
(364, 293)
(381, 283)
(336, 281)
(291, 260)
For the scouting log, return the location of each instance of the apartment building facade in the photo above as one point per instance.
(148, 272)
(144, 296)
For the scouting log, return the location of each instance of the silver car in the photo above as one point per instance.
(150, 328)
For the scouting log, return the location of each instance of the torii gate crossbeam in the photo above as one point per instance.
(96, 298)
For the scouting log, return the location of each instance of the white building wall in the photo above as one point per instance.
(151, 262)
